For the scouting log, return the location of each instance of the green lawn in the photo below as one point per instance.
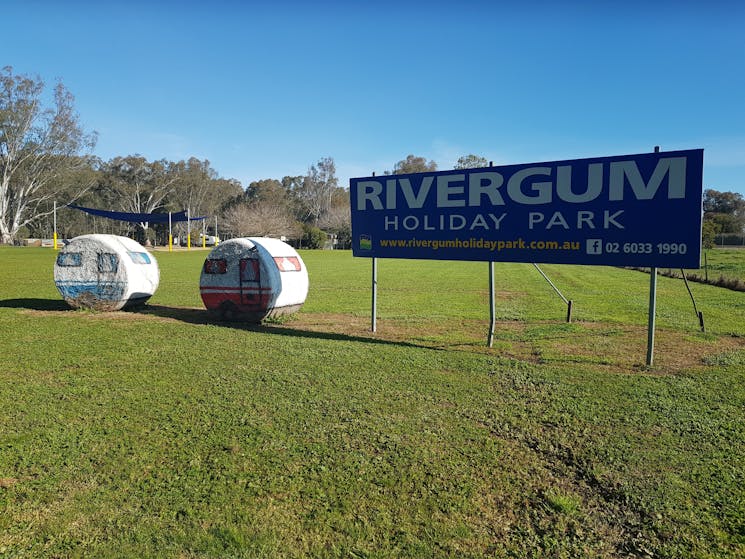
(161, 434)
(727, 262)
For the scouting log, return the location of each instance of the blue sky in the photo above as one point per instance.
(266, 89)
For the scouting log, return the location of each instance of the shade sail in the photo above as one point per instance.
(138, 217)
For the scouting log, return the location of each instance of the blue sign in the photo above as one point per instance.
(630, 210)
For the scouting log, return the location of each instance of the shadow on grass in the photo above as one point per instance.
(36, 304)
(201, 316)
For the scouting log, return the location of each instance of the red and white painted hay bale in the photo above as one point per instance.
(253, 278)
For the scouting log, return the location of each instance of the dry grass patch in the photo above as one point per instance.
(619, 348)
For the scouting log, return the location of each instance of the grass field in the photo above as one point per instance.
(726, 262)
(161, 434)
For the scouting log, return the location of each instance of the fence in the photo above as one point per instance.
(730, 240)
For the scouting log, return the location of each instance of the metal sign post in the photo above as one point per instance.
(374, 313)
(652, 306)
(652, 312)
(492, 306)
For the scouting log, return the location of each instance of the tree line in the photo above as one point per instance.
(724, 216)
(46, 160)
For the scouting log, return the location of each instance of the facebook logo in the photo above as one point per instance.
(594, 246)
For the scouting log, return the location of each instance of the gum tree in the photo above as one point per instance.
(414, 164)
(471, 161)
(316, 192)
(39, 145)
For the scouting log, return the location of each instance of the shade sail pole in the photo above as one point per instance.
(54, 234)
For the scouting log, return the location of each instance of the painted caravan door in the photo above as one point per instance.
(250, 284)
(110, 285)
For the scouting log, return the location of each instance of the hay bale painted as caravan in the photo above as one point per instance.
(253, 278)
(105, 272)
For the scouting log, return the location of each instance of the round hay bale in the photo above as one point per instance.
(105, 272)
(253, 278)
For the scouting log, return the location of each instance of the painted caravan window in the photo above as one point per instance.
(140, 257)
(215, 266)
(69, 259)
(107, 262)
(287, 263)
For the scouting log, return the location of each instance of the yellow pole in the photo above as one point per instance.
(54, 234)
(170, 236)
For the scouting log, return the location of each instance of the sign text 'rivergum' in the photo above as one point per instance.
(644, 198)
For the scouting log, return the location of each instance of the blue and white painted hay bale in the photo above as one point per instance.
(253, 278)
(105, 272)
